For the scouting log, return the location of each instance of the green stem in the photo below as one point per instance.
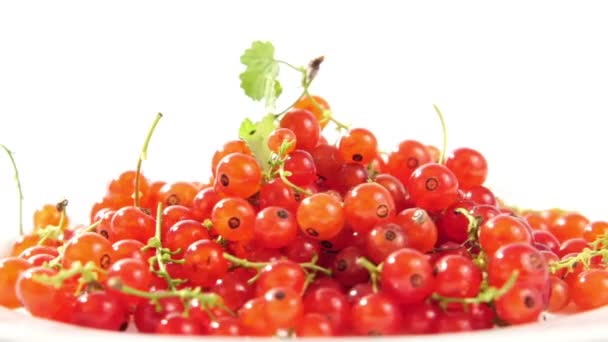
(326, 113)
(287, 64)
(89, 273)
(93, 226)
(283, 176)
(374, 271)
(244, 262)
(281, 113)
(473, 225)
(307, 266)
(490, 294)
(206, 300)
(159, 255)
(62, 207)
(583, 257)
(18, 182)
(143, 156)
(445, 136)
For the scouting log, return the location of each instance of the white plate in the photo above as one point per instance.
(589, 326)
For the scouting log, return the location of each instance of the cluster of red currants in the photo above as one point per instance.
(310, 239)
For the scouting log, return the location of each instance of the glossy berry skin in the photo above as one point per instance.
(177, 193)
(595, 230)
(320, 216)
(173, 214)
(176, 324)
(560, 296)
(419, 228)
(397, 190)
(304, 125)
(501, 230)
(328, 162)
(345, 268)
(420, 318)
(182, 234)
(545, 238)
(331, 303)
(204, 263)
(314, 325)
(433, 187)
(456, 276)
(36, 250)
(590, 290)
(283, 308)
(10, 269)
(281, 273)
(575, 245)
(251, 318)
(317, 106)
(479, 194)
(203, 203)
(367, 205)
(234, 218)
(88, 247)
(101, 310)
(349, 175)
(525, 259)
(274, 227)
(359, 145)
(234, 289)
(384, 239)
(452, 224)
(129, 248)
(132, 223)
(569, 226)
(375, 315)
(281, 136)
(277, 193)
(469, 166)
(409, 156)
(48, 215)
(232, 146)
(520, 305)
(302, 168)
(133, 273)
(40, 300)
(238, 175)
(147, 318)
(407, 275)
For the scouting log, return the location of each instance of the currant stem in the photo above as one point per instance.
(89, 273)
(143, 156)
(283, 175)
(488, 295)
(62, 208)
(206, 300)
(583, 257)
(160, 257)
(244, 262)
(326, 113)
(312, 266)
(445, 135)
(473, 225)
(93, 226)
(374, 271)
(18, 182)
(287, 64)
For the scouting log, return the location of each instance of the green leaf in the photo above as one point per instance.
(256, 137)
(259, 80)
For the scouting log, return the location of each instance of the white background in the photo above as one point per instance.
(524, 82)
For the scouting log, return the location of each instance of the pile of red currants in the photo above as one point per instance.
(295, 236)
